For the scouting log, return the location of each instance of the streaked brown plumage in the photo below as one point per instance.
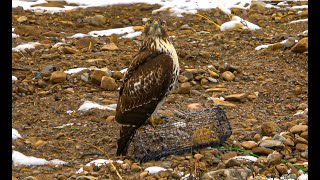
(148, 80)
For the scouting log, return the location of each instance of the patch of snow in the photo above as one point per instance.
(300, 20)
(57, 44)
(89, 105)
(247, 158)
(100, 162)
(29, 45)
(304, 33)
(284, 3)
(14, 35)
(64, 125)
(300, 7)
(175, 7)
(262, 47)
(132, 35)
(28, 5)
(271, 6)
(154, 169)
(298, 113)
(15, 135)
(230, 25)
(70, 112)
(21, 159)
(124, 70)
(237, 22)
(79, 35)
(76, 70)
(14, 78)
(112, 31)
(303, 177)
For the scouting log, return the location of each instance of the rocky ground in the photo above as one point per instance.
(265, 91)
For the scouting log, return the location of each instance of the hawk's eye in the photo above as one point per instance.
(149, 21)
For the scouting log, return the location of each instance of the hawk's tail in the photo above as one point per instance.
(126, 135)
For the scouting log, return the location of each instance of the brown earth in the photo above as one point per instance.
(275, 83)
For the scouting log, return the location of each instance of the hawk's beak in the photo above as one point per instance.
(156, 24)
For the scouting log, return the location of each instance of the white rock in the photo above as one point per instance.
(154, 169)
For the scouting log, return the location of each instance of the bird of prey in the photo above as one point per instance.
(148, 80)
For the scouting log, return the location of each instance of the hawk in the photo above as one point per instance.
(148, 80)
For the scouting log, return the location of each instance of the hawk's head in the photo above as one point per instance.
(155, 28)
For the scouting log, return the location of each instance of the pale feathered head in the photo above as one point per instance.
(155, 28)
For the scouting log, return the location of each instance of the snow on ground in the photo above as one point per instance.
(300, 7)
(237, 22)
(21, 159)
(15, 134)
(300, 20)
(100, 162)
(303, 177)
(175, 7)
(29, 45)
(132, 35)
(57, 44)
(262, 47)
(79, 35)
(89, 105)
(28, 5)
(74, 70)
(64, 125)
(14, 78)
(124, 70)
(108, 32)
(127, 32)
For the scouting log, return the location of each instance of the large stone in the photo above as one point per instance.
(231, 173)
(249, 144)
(135, 167)
(182, 78)
(109, 47)
(58, 77)
(97, 75)
(232, 162)
(184, 88)
(223, 103)
(268, 128)
(228, 155)
(213, 74)
(85, 43)
(282, 168)
(108, 83)
(228, 76)
(22, 19)
(304, 135)
(297, 129)
(117, 75)
(274, 158)
(301, 46)
(97, 20)
(69, 50)
(301, 147)
(271, 144)
(27, 30)
(262, 151)
(235, 97)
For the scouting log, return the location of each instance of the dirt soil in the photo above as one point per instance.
(275, 82)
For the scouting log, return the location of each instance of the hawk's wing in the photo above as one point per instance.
(145, 85)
